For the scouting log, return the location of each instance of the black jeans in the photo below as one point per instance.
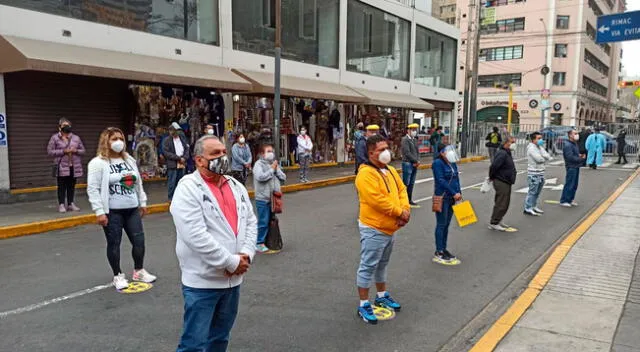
(131, 222)
(622, 155)
(502, 201)
(66, 188)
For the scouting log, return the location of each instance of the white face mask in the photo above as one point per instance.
(303, 132)
(269, 156)
(117, 146)
(241, 140)
(576, 137)
(210, 131)
(385, 157)
(513, 147)
(414, 133)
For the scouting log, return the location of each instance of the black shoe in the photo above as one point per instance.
(414, 204)
(617, 162)
(449, 255)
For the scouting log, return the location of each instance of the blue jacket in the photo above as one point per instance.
(361, 151)
(240, 155)
(446, 178)
(571, 154)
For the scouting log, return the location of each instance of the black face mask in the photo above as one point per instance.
(219, 165)
(66, 129)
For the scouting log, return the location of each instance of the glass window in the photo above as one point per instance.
(435, 63)
(195, 20)
(495, 81)
(559, 78)
(506, 25)
(562, 22)
(499, 54)
(309, 29)
(377, 42)
(560, 50)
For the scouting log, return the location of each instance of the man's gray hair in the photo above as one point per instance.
(198, 149)
(63, 120)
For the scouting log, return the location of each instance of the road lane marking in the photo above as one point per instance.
(424, 180)
(35, 306)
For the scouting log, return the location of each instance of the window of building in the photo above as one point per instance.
(556, 120)
(309, 29)
(594, 62)
(194, 20)
(562, 22)
(596, 9)
(502, 53)
(492, 81)
(503, 2)
(504, 26)
(435, 60)
(610, 3)
(561, 50)
(606, 48)
(593, 86)
(559, 78)
(377, 42)
(591, 31)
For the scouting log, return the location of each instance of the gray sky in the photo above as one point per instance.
(631, 55)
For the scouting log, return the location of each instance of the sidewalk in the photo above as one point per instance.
(592, 301)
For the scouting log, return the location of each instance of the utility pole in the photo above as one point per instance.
(276, 78)
(510, 113)
(464, 136)
(471, 73)
(476, 59)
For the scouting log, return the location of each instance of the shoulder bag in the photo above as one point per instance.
(436, 201)
(276, 199)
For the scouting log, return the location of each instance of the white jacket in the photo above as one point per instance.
(304, 144)
(206, 245)
(98, 184)
(536, 158)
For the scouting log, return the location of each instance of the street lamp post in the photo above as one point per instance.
(276, 78)
(545, 73)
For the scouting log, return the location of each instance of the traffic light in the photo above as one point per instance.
(628, 84)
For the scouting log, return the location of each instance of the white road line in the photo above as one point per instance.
(424, 180)
(52, 301)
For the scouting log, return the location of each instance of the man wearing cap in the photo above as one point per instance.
(362, 156)
(176, 152)
(410, 160)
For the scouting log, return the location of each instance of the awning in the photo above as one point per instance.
(262, 82)
(394, 100)
(20, 54)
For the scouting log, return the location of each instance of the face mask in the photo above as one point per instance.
(241, 140)
(414, 133)
(451, 154)
(219, 165)
(541, 142)
(576, 137)
(513, 147)
(66, 129)
(117, 146)
(210, 132)
(303, 132)
(269, 156)
(385, 157)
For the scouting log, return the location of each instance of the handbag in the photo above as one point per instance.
(273, 241)
(436, 201)
(276, 200)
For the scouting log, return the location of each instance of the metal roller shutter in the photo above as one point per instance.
(35, 101)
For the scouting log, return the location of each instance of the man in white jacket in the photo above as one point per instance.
(537, 156)
(215, 244)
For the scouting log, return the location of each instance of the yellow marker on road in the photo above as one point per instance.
(384, 313)
(136, 287)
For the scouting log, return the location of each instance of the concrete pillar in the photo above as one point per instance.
(4, 147)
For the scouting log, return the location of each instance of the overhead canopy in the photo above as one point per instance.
(21, 54)
(394, 100)
(262, 82)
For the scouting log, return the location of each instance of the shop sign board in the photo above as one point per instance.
(488, 16)
(3, 130)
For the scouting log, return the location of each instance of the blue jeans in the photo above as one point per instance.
(173, 175)
(443, 220)
(409, 173)
(264, 216)
(209, 315)
(536, 183)
(570, 185)
(375, 252)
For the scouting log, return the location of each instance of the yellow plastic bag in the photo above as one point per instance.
(464, 213)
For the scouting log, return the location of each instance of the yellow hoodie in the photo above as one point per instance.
(383, 197)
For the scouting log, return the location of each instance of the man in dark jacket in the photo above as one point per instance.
(573, 160)
(410, 160)
(503, 175)
(362, 156)
(176, 152)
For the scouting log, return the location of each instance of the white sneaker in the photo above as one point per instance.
(531, 212)
(120, 282)
(62, 208)
(144, 276)
(538, 210)
(497, 228)
(566, 205)
(574, 204)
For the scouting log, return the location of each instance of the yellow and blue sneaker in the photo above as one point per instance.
(387, 302)
(365, 312)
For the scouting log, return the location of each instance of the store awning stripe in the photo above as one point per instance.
(21, 54)
(262, 83)
(394, 100)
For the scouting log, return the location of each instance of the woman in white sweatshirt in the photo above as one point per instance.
(114, 187)
(305, 148)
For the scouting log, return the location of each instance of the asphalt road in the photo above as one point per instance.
(303, 299)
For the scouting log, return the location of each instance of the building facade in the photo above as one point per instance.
(446, 10)
(141, 64)
(519, 37)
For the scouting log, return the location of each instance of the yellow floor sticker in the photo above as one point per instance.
(384, 313)
(552, 201)
(136, 287)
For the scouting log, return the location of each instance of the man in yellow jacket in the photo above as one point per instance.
(384, 208)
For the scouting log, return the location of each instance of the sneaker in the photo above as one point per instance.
(366, 313)
(414, 205)
(120, 282)
(387, 302)
(497, 227)
(440, 258)
(73, 207)
(574, 204)
(448, 254)
(144, 276)
(530, 212)
(306, 180)
(62, 208)
(261, 248)
(566, 205)
(538, 210)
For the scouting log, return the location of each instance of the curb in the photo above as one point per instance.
(490, 340)
(64, 223)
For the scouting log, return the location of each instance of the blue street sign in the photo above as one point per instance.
(619, 27)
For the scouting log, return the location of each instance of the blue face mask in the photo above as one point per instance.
(358, 134)
(541, 142)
